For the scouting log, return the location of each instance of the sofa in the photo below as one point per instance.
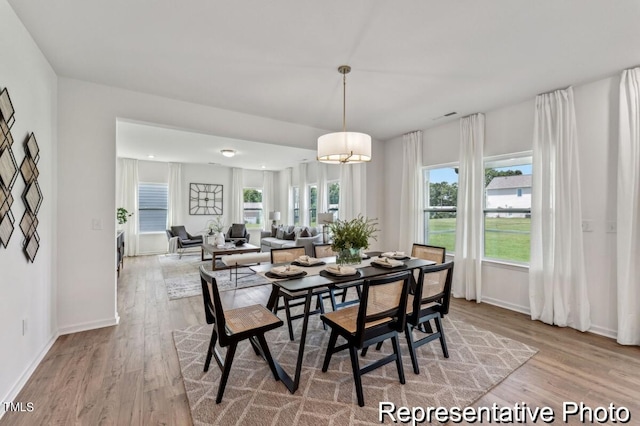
(291, 236)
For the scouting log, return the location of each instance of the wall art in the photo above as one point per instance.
(205, 199)
(32, 197)
(8, 168)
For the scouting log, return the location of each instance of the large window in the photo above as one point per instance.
(507, 209)
(440, 201)
(313, 205)
(296, 205)
(253, 217)
(152, 207)
(334, 198)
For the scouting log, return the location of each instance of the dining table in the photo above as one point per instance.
(317, 277)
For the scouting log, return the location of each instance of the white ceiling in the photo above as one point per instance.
(412, 60)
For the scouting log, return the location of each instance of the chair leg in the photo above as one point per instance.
(267, 355)
(332, 344)
(396, 350)
(357, 378)
(321, 306)
(288, 313)
(255, 347)
(332, 296)
(412, 350)
(212, 345)
(228, 360)
(344, 295)
(443, 342)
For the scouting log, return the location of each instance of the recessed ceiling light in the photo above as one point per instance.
(263, 166)
(151, 156)
(228, 152)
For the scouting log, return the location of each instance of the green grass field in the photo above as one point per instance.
(504, 239)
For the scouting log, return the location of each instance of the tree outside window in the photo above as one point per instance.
(253, 215)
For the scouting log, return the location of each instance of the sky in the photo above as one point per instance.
(449, 175)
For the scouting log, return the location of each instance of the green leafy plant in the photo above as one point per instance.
(353, 234)
(122, 215)
(215, 225)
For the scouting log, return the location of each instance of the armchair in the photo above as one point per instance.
(184, 239)
(237, 231)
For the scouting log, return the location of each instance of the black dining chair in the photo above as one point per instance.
(232, 326)
(380, 315)
(293, 299)
(325, 250)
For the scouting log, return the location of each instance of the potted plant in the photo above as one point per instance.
(122, 215)
(350, 237)
(216, 226)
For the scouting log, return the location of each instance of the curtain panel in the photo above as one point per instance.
(557, 278)
(411, 206)
(323, 192)
(268, 196)
(174, 215)
(353, 191)
(467, 275)
(237, 196)
(128, 199)
(628, 209)
(304, 194)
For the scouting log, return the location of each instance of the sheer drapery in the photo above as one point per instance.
(286, 196)
(322, 202)
(237, 196)
(467, 275)
(353, 191)
(128, 198)
(268, 196)
(557, 278)
(628, 207)
(174, 215)
(304, 194)
(411, 196)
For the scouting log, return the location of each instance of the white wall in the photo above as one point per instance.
(27, 290)
(510, 130)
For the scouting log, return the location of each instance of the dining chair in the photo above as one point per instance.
(430, 302)
(325, 250)
(380, 315)
(232, 326)
(426, 252)
(288, 255)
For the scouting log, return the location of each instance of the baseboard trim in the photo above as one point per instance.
(602, 331)
(17, 387)
(502, 304)
(91, 325)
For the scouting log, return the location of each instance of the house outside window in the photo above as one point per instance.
(440, 186)
(252, 210)
(507, 209)
(153, 203)
(334, 197)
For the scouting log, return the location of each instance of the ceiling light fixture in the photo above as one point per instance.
(344, 147)
(228, 152)
(151, 156)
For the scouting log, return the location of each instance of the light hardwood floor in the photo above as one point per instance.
(129, 374)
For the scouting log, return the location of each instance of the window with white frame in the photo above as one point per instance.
(507, 208)
(313, 205)
(153, 203)
(252, 210)
(333, 193)
(440, 185)
(296, 205)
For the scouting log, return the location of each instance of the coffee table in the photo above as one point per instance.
(229, 248)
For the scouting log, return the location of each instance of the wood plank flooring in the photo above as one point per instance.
(129, 374)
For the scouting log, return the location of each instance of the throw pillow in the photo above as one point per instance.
(290, 236)
(305, 233)
(237, 230)
(280, 233)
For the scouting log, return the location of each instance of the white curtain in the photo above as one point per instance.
(467, 275)
(128, 198)
(411, 216)
(557, 278)
(268, 195)
(304, 194)
(237, 196)
(353, 191)
(174, 215)
(286, 196)
(322, 203)
(628, 204)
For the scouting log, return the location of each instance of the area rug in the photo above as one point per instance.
(182, 276)
(479, 359)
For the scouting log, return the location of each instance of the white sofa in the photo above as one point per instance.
(267, 241)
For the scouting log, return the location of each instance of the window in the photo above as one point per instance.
(334, 198)
(253, 208)
(152, 207)
(313, 205)
(507, 208)
(440, 201)
(296, 205)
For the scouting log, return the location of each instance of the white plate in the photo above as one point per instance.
(342, 272)
(285, 271)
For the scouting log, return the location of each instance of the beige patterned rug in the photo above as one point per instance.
(182, 276)
(479, 359)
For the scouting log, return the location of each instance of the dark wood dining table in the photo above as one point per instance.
(311, 282)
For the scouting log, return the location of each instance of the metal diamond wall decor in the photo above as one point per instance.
(32, 197)
(8, 168)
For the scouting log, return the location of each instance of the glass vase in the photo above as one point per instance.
(349, 257)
